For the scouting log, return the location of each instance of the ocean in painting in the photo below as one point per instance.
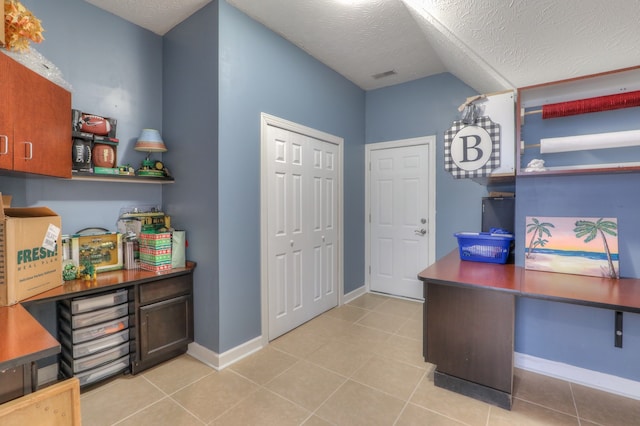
(571, 262)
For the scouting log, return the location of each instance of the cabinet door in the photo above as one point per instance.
(7, 69)
(470, 334)
(165, 326)
(41, 125)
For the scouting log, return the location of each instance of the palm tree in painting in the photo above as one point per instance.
(590, 230)
(538, 229)
(540, 242)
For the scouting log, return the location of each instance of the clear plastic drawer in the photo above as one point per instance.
(94, 346)
(92, 303)
(97, 374)
(94, 317)
(96, 331)
(93, 361)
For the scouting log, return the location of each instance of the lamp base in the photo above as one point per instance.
(151, 168)
(151, 173)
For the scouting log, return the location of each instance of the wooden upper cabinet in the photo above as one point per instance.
(35, 122)
(6, 116)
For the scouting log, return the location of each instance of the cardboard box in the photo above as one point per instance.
(30, 262)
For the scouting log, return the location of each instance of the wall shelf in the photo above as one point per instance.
(604, 161)
(89, 177)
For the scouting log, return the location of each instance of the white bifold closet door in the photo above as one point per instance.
(302, 228)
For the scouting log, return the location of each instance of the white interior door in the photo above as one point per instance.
(302, 228)
(401, 226)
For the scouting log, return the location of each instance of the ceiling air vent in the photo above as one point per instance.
(384, 74)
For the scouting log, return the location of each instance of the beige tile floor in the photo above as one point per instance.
(360, 364)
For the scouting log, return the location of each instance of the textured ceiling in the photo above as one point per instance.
(491, 45)
(158, 16)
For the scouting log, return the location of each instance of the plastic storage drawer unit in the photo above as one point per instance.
(92, 303)
(97, 374)
(95, 331)
(94, 317)
(94, 346)
(93, 361)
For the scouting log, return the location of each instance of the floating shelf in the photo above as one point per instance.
(122, 179)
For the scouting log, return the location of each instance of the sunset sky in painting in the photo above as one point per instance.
(563, 237)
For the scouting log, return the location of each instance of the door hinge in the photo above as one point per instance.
(369, 269)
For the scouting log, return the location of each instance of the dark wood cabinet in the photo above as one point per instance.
(469, 336)
(35, 122)
(15, 382)
(160, 319)
(165, 320)
(469, 318)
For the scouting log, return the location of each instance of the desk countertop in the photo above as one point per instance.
(619, 294)
(22, 338)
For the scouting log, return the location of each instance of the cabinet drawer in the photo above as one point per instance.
(92, 303)
(94, 317)
(100, 330)
(93, 361)
(165, 289)
(93, 346)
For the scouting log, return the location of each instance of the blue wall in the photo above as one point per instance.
(578, 335)
(126, 84)
(262, 72)
(204, 85)
(190, 118)
(429, 106)
(574, 335)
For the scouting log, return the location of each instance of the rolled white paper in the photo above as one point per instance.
(593, 141)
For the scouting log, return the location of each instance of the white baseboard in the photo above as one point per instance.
(222, 361)
(354, 294)
(593, 379)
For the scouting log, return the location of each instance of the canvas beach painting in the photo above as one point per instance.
(572, 245)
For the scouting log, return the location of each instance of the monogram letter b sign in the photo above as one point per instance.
(472, 150)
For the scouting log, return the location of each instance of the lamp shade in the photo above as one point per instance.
(150, 141)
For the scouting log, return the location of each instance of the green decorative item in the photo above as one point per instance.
(88, 271)
(69, 270)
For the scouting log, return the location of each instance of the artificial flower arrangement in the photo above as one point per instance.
(20, 26)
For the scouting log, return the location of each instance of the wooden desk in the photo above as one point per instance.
(23, 341)
(109, 280)
(469, 318)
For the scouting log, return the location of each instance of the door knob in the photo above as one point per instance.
(420, 231)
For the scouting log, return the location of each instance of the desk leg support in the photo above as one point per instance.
(618, 330)
(473, 390)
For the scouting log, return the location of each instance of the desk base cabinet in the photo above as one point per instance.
(469, 336)
(16, 381)
(129, 329)
(165, 320)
